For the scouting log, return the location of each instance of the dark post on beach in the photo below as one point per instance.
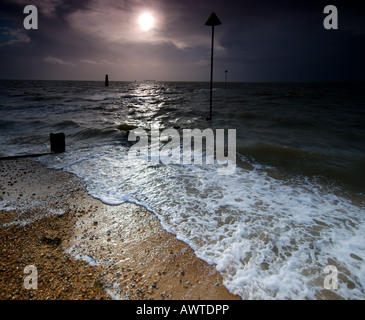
(212, 21)
(58, 144)
(106, 80)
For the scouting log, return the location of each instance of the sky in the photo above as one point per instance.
(258, 41)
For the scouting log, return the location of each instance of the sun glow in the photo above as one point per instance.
(146, 21)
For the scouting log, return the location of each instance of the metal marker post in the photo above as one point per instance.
(213, 21)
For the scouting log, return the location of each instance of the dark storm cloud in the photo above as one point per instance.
(285, 41)
(258, 40)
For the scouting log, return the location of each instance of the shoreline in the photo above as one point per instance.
(85, 249)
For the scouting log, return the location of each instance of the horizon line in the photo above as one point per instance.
(199, 81)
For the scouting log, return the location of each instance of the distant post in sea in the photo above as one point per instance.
(213, 21)
(226, 72)
(106, 80)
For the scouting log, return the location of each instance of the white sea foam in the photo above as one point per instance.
(6, 205)
(270, 239)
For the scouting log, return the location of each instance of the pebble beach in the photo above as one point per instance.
(84, 249)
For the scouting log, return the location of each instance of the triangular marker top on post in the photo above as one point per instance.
(213, 20)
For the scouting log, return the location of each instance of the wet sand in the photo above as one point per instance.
(84, 249)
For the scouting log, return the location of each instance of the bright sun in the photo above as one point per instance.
(146, 21)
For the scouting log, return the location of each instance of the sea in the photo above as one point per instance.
(287, 223)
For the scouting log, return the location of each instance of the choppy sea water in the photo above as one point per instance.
(294, 205)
